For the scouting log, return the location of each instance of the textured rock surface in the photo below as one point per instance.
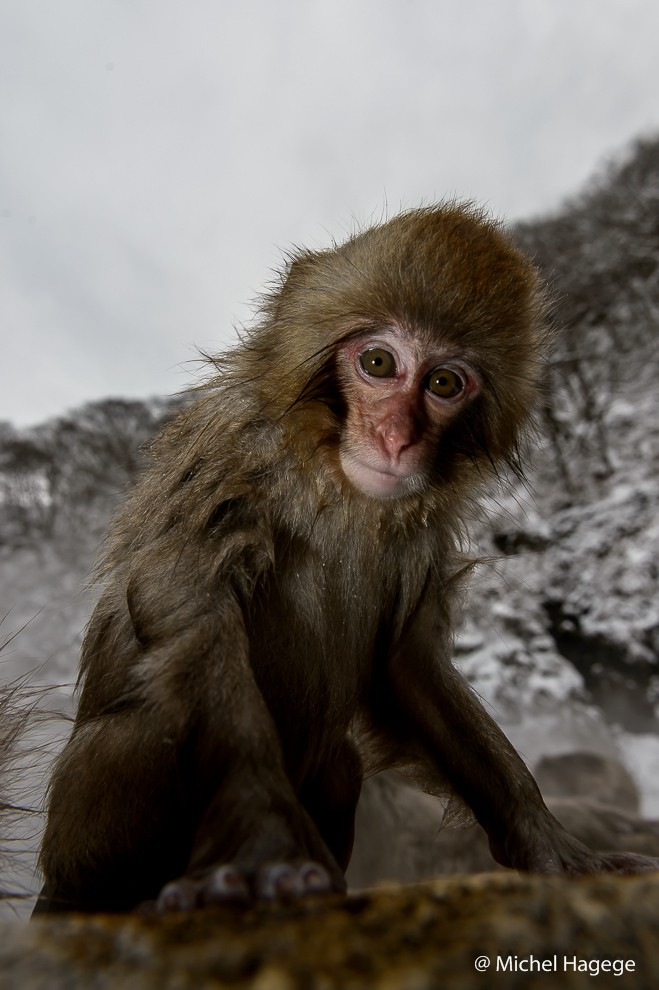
(396, 938)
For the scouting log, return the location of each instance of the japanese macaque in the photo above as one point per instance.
(279, 591)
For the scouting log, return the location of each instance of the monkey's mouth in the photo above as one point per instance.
(377, 480)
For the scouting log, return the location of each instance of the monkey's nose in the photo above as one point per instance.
(397, 434)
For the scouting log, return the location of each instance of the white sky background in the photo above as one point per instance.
(156, 155)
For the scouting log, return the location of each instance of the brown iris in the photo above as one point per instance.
(378, 362)
(445, 383)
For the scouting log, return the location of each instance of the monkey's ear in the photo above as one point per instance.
(297, 269)
(294, 281)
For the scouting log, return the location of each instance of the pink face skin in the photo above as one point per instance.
(395, 423)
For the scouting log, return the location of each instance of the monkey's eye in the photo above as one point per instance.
(445, 383)
(378, 362)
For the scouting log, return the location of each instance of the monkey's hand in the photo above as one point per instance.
(253, 844)
(483, 766)
(545, 847)
(628, 863)
(229, 884)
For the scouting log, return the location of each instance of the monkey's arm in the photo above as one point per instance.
(252, 827)
(481, 763)
(182, 775)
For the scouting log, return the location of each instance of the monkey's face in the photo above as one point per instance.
(401, 396)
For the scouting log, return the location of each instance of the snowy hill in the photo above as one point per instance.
(563, 635)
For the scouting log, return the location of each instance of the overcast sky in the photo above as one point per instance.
(157, 155)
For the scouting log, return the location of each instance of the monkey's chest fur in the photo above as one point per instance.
(320, 628)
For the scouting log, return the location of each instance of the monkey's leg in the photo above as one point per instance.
(119, 822)
(127, 815)
(188, 782)
(483, 766)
